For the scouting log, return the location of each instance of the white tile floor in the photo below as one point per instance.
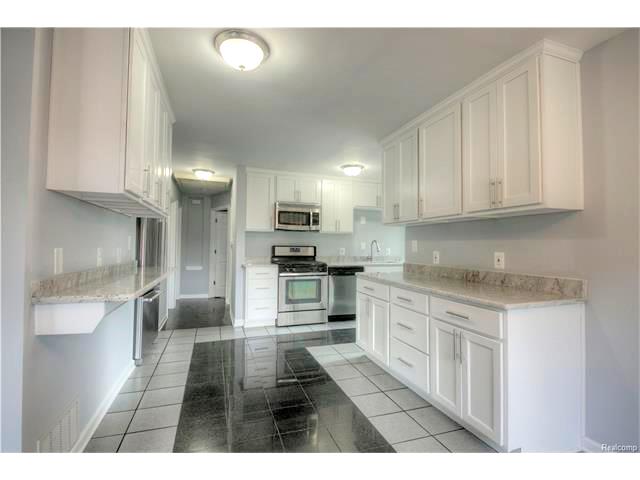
(406, 420)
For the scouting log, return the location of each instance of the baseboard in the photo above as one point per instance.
(185, 296)
(267, 323)
(97, 417)
(589, 445)
(163, 323)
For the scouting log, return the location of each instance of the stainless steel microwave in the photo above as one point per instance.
(301, 217)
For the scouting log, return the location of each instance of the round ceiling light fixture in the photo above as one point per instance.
(241, 49)
(203, 173)
(352, 170)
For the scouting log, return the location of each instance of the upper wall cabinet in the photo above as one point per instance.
(520, 143)
(367, 195)
(298, 189)
(260, 202)
(400, 178)
(337, 207)
(110, 121)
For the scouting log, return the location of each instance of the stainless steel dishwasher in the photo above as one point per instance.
(342, 292)
(145, 323)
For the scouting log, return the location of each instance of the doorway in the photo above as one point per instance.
(218, 253)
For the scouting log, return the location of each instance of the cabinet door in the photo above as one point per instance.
(441, 164)
(285, 189)
(408, 181)
(136, 107)
(328, 214)
(445, 367)
(364, 327)
(308, 190)
(344, 207)
(380, 323)
(519, 163)
(481, 360)
(151, 141)
(260, 207)
(366, 195)
(390, 178)
(480, 148)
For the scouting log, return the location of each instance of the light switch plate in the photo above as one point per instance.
(388, 250)
(436, 257)
(343, 252)
(414, 246)
(363, 220)
(498, 260)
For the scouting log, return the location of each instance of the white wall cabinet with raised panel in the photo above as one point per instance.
(337, 207)
(298, 189)
(367, 194)
(260, 202)
(109, 121)
(400, 177)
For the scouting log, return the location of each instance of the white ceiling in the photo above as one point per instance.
(325, 96)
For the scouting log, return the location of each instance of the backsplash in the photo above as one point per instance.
(258, 244)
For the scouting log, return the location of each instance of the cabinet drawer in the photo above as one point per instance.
(262, 309)
(262, 272)
(410, 327)
(258, 288)
(410, 364)
(411, 300)
(373, 289)
(479, 319)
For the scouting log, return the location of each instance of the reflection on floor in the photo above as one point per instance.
(311, 391)
(198, 313)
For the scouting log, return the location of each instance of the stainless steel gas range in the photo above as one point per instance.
(302, 285)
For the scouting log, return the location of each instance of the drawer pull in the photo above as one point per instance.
(261, 369)
(404, 299)
(262, 308)
(406, 327)
(261, 349)
(457, 315)
(369, 288)
(402, 360)
(263, 288)
(262, 273)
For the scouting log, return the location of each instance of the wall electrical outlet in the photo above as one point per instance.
(58, 261)
(343, 252)
(414, 246)
(498, 260)
(99, 257)
(436, 257)
(388, 251)
(363, 220)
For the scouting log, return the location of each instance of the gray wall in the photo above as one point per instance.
(221, 200)
(599, 244)
(57, 370)
(196, 218)
(258, 244)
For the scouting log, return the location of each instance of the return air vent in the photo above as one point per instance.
(63, 435)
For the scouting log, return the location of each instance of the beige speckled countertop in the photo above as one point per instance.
(482, 294)
(335, 261)
(112, 289)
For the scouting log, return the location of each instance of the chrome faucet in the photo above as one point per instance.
(370, 257)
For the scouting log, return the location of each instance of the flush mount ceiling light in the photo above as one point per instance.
(242, 50)
(203, 173)
(352, 170)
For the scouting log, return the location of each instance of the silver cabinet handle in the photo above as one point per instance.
(263, 288)
(420, 207)
(455, 345)
(262, 308)
(150, 299)
(261, 349)
(368, 288)
(145, 190)
(404, 299)
(499, 195)
(457, 315)
(460, 346)
(402, 360)
(406, 327)
(492, 193)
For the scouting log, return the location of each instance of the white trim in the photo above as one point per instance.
(589, 445)
(163, 323)
(184, 296)
(260, 323)
(212, 258)
(99, 414)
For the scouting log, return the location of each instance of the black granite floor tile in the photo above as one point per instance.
(317, 440)
(303, 364)
(271, 444)
(286, 396)
(356, 435)
(248, 401)
(198, 313)
(201, 391)
(339, 412)
(291, 419)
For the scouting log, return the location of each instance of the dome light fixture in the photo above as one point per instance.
(203, 173)
(352, 170)
(241, 49)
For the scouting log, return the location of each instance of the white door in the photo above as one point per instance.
(260, 206)
(408, 180)
(519, 162)
(480, 148)
(364, 327)
(441, 164)
(136, 106)
(286, 189)
(329, 219)
(482, 384)
(390, 178)
(380, 324)
(344, 206)
(218, 255)
(308, 190)
(445, 367)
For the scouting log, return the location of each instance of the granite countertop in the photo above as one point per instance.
(334, 261)
(482, 294)
(109, 289)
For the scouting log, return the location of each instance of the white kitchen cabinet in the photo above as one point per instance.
(364, 322)
(400, 178)
(440, 165)
(298, 189)
(337, 207)
(261, 295)
(260, 202)
(445, 368)
(367, 194)
(104, 120)
(372, 317)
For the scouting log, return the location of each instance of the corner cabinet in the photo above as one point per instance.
(510, 143)
(110, 121)
(400, 178)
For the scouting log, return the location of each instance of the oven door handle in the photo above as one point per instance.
(303, 274)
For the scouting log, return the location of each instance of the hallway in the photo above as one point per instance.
(198, 313)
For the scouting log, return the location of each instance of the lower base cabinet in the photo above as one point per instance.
(373, 324)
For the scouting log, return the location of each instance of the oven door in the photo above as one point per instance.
(301, 292)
